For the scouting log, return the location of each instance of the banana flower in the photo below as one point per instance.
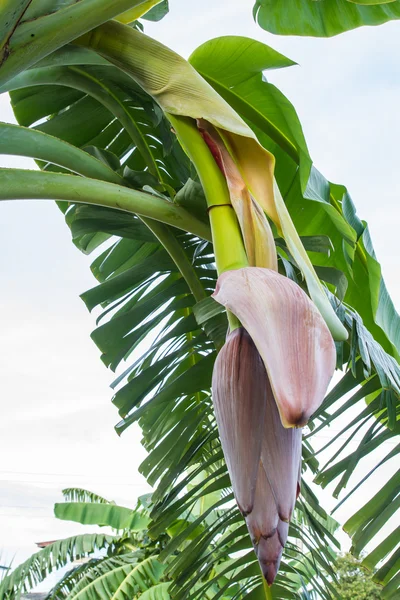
(269, 377)
(263, 457)
(292, 338)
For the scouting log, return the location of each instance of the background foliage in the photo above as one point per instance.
(354, 582)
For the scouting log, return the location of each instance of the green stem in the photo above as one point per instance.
(22, 141)
(267, 590)
(20, 184)
(35, 39)
(274, 133)
(178, 255)
(134, 13)
(227, 238)
(78, 79)
(29, 142)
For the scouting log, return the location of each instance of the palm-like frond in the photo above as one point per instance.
(34, 570)
(119, 578)
(81, 495)
(124, 564)
(103, 514)
(62, 588)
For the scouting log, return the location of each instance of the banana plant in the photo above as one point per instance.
(119, 565)
(201, 171)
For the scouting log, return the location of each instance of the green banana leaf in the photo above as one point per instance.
(322, 18)
(111, 515)
(27, 575)
(32, 29)
(119, 578)
(309, 197)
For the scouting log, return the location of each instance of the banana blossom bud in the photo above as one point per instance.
(292, 338)
(263, 458)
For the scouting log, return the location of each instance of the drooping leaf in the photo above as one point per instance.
(56, 555)
(309, 197)
(323, 18)
(119, 578)
(111, 515)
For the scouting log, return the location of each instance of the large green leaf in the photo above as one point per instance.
(111, 515)
(322, 18)
(309, 197)
(119, 578)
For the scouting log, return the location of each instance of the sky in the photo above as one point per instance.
(57, 420)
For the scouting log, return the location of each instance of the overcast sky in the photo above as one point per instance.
(57, 421)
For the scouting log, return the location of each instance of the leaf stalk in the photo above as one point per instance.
(20, 184)
(267, 590)
(178, 255)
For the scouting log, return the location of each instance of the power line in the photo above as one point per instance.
(97, 481)
(24, 506)
(44, 474)
(18, 516)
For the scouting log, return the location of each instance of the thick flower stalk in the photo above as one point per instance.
(256, 230)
